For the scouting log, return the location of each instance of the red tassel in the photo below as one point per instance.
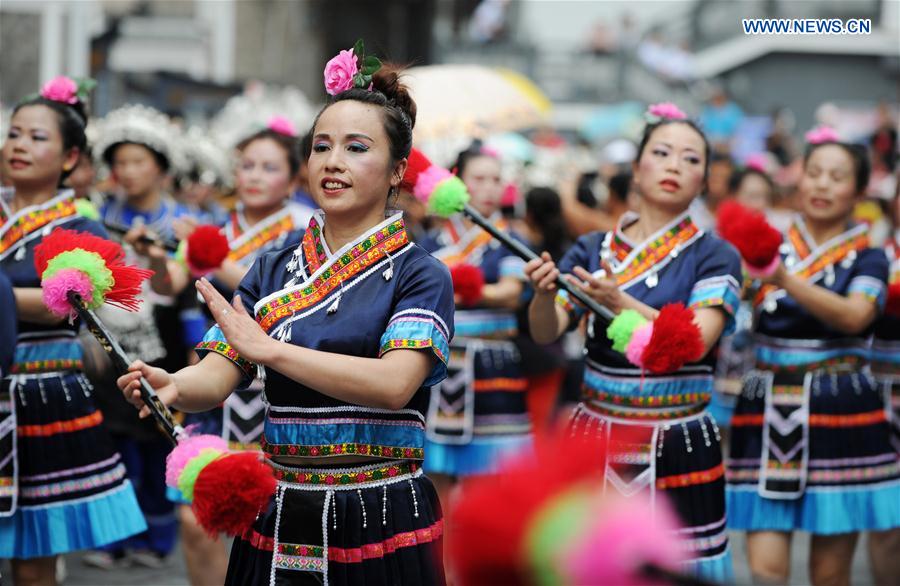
(749, 232)
(416, 162)
(893, 300)
(207, 247)
(230, 491)
(468, 283)
(676, 340)
(127, 279)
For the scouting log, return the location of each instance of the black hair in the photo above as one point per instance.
(619, 184)
(738, 176)
(861, 166)
(543, 206)
(584, 192)
(398, 108)
(161, 160)
(288, 143)
(473, 151)
(71, 119)
(651, 128)
(306, 146)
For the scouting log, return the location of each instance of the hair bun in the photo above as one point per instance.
(387, 81)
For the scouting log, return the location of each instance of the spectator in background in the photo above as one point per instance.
(703, 209)
(581, 218)
(488, 23)
(721, 118)
(82, 177)
(780, 142)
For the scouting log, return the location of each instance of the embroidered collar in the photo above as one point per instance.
(244, 239)
(28, 223)
(809, 260)
(467, 245)
(327, 272)
(632, 262)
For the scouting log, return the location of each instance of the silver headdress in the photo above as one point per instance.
(142, 125)
(250, 112)
(211, 161)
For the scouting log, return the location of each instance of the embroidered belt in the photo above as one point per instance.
(349, 478)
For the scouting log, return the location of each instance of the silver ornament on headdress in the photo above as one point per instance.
(250, 112)
(211, 160)
(142, 125)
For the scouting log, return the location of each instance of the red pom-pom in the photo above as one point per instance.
(230, 491)
(207, 247)
(492, 514)
(126, 279)
(676, 340)
(749, 232)
(893, 300)
(468, 283)
(416, 162)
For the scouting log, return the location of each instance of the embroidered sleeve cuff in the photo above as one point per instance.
(564, 300)
(512, 266)
(871, 288)
(214, 341)
(419, 329)
(723, 292)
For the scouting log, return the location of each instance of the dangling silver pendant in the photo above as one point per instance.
(674, 253)
(388, 273)
(829, 275)
(849, 259)
(20, 254)
(789, 261)
(334, 306)
(590, 326)
(785, 248)
(652, 281)
(770, 304)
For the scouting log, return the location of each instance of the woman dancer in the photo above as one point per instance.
(479, 413)
(63, 486)
(654, 257)
(811, 448)
(351, 328)
(265, 220)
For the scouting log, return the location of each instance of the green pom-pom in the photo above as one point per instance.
(554, 529)
(89, 263)
(448, 198)
(86, 209)
(621, 328)
(192, 469)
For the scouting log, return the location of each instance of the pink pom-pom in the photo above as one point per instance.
(428, 180)
(187, 449)
(821, 134)
(634, 351)
(630, 535)
(666, 111)
(55, 289)
(282, 125)
(762, 272)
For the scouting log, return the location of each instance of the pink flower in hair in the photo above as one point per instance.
(490, 152)
(282, 125)
(339, 72)
(666, 111)
(756, 162)
(61, 89)
(821, 134)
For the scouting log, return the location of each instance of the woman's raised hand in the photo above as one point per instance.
(542, 273)
(240, 329)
